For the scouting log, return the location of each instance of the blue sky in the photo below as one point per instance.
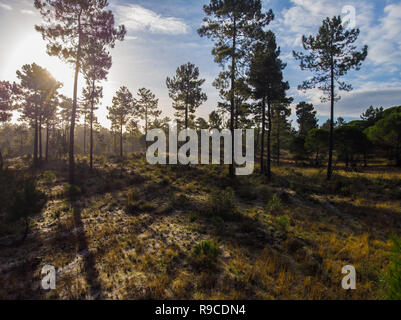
(162, 35)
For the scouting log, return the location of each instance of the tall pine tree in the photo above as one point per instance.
(331, 54)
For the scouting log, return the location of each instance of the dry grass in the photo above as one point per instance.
(131, 236)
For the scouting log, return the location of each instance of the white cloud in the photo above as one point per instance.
(28, 12)
(137, 18)
(353, 103)
(384, 39)
(5, 6)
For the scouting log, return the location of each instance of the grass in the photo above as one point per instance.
(166, 233)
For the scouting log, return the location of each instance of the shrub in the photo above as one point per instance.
(222, 203)
(204, 254)
(341, 186)
(284, 222)
(26, 202)
(180, 201)
(393, 276)
(275, 204)
(49, 177)
(133, 195)
(193, 216)
(72, 191)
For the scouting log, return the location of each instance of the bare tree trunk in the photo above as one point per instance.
(74, 106)
(269, 115)
(262, 149)
(1, 161)
(121, 142)
(331, 146)
(85, 136)
(278, 138)
(35, 142)
(233, 64)
(91, 126)
(47, 140)
(40, 140)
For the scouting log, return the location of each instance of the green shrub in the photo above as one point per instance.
(204, 254)
(284, 222)
(26, 202)
(222, 203)
(393, 275)
(49, 177)
(193, 216)
(72, 191)
(341, 186)
(180, 201)
(275, 204)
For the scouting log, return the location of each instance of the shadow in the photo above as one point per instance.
(91, 273)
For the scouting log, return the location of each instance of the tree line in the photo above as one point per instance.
(251, 86)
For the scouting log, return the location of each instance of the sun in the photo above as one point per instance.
(32, 49)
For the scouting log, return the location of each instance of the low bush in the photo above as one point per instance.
(49, 177)
(393, 275)
(275, 204)
(222, 203)
(205, 254)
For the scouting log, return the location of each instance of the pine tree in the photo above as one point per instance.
(69, 26)
(236, 25)
(120, 111)
(185, 89)
(146, 107)
(306, 118)
(37, 87)
(266, 78)
(332, 53)
(7, 95)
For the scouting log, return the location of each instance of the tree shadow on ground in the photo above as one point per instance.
(91, 273)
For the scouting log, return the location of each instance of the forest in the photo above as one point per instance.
(82, 197)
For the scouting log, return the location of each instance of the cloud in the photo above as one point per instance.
(353, 103)
(137, 18)
(384, 40)
(28, 12)
(5, 6)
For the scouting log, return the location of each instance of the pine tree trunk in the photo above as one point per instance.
(278, 139)
(47, 140)
(269, 115)
(91, 126)
(331, 146)
(35, 142)
(121, 142)
(91, 140)
(74, 106)
(233, 64)
(85, 136)
(40, 140)
(1, 161)
(262, 149)
(397, 151)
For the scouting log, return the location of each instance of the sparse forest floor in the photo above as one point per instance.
(175, 232)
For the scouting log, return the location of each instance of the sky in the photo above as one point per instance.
(162, 35)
